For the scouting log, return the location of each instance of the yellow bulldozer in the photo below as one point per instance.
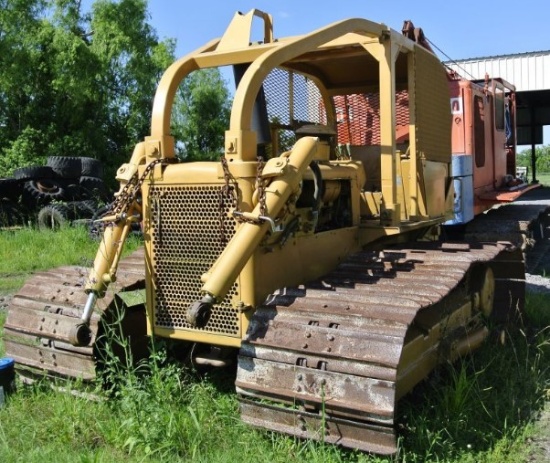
(313, 254)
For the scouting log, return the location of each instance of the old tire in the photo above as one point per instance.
(10, 214)
(65, 166)
(40, 192)
(10, 188)
(82, 209)
(95, 229)
(54, 217)
(73, 192)
(91, 168)
(33, 172)
(92, 188)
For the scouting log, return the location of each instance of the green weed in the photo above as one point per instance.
(29, 250)
(482, 407)
(155, 409)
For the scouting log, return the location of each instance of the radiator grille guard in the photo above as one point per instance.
(188, 224)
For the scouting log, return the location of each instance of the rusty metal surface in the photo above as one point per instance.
(518, 223)
(330, 359)
(49, 303)
(348, 433)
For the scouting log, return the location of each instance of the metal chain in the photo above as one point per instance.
(128, 193)
(229, 190)
(260, 185)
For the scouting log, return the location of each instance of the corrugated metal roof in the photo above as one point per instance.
(512, 55)
(527, 71)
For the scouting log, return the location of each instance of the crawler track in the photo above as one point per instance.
(53, 300)
(330, 360)
(524, 223)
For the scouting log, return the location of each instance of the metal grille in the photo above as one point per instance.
(186, 241)
(358, 117)
(292, 100)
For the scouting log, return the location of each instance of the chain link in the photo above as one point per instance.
(230, 189)
(129, 192)
(260, 186)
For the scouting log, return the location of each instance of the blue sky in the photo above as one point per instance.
(462, 29)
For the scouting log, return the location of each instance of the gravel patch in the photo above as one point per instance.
(540, 444)
(537, 283)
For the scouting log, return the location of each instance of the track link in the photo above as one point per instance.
(524, 223)
(53, 300)
(331, 359)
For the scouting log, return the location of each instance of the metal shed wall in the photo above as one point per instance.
(527, 71)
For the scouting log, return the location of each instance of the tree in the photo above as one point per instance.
(132, 62)
(76, 84)
(542, 159)
(201, 115)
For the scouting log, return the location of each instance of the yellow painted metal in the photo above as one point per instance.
(245, 242)
(253, 78)
(389, 194)
(370, 204)
(485, 296)
(238, 33)
(197, 336)
(436, 184)
(304, 258)
(166, 92)
(108, 255)
(436, 338)
(386, 53)
(414, 205)
(432, 118)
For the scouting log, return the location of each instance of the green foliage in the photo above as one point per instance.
(76, 84)
(22, 151)
(132, 62)
(202, 115)
(35, 251)
(480, 408)
(542, 159)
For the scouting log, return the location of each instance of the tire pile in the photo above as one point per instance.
(63, 191)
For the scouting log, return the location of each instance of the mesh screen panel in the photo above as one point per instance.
(187, 226)
(358, 117)
(292, 101)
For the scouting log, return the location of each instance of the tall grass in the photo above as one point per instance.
(482, 407)
(544, 178)
(479, 409)
(27, 250)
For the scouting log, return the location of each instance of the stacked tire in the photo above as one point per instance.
(81, 178)
(58, 215)
(11, 212)
(64, 190)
